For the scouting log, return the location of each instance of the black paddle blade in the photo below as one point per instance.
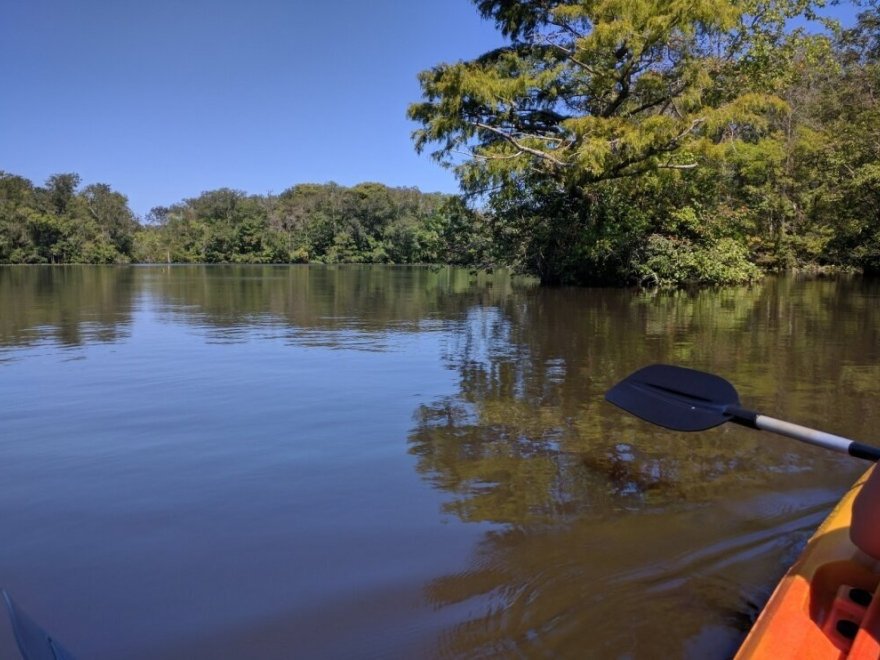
(675, 398)
(34, 643)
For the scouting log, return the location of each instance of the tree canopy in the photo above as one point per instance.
(655, 141)
(58, 223)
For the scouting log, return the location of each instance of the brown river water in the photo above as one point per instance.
(390, 462)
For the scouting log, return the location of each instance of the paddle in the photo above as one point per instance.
(34, 643)
(688, 400)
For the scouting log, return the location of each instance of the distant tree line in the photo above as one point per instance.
(367, 223)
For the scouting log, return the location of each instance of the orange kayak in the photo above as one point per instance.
(828, 603)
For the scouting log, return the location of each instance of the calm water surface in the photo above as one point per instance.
(405, 462)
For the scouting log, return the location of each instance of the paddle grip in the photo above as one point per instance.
(866, 452)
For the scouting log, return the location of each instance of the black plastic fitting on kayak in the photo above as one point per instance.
(847, 628)
(860, 596)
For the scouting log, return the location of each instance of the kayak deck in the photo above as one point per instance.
(828, 603)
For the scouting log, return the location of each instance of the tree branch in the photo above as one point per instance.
(509, 138)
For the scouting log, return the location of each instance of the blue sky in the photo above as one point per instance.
(163, 99)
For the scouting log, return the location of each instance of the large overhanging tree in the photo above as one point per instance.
(598, 90)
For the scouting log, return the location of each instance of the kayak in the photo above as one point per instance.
(828, 603)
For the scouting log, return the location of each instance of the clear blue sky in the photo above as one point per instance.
(163, 99)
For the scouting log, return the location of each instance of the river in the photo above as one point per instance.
(375, 461)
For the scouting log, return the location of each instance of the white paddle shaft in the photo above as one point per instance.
(798, 432)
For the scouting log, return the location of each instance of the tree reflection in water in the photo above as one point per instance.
(615, 537)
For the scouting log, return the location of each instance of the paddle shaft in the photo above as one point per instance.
(804, 434)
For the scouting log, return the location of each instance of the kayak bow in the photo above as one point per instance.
(828, 603)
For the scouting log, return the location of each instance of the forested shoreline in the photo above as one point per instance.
(60, 222)
(620, 143)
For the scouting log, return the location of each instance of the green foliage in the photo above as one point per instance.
(368, 223)
(589, 91)
(665, 142)
(56, 224)
(672, 261)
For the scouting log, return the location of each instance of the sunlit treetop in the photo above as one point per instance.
(601, 89)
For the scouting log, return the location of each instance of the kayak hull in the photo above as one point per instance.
(828, 603)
